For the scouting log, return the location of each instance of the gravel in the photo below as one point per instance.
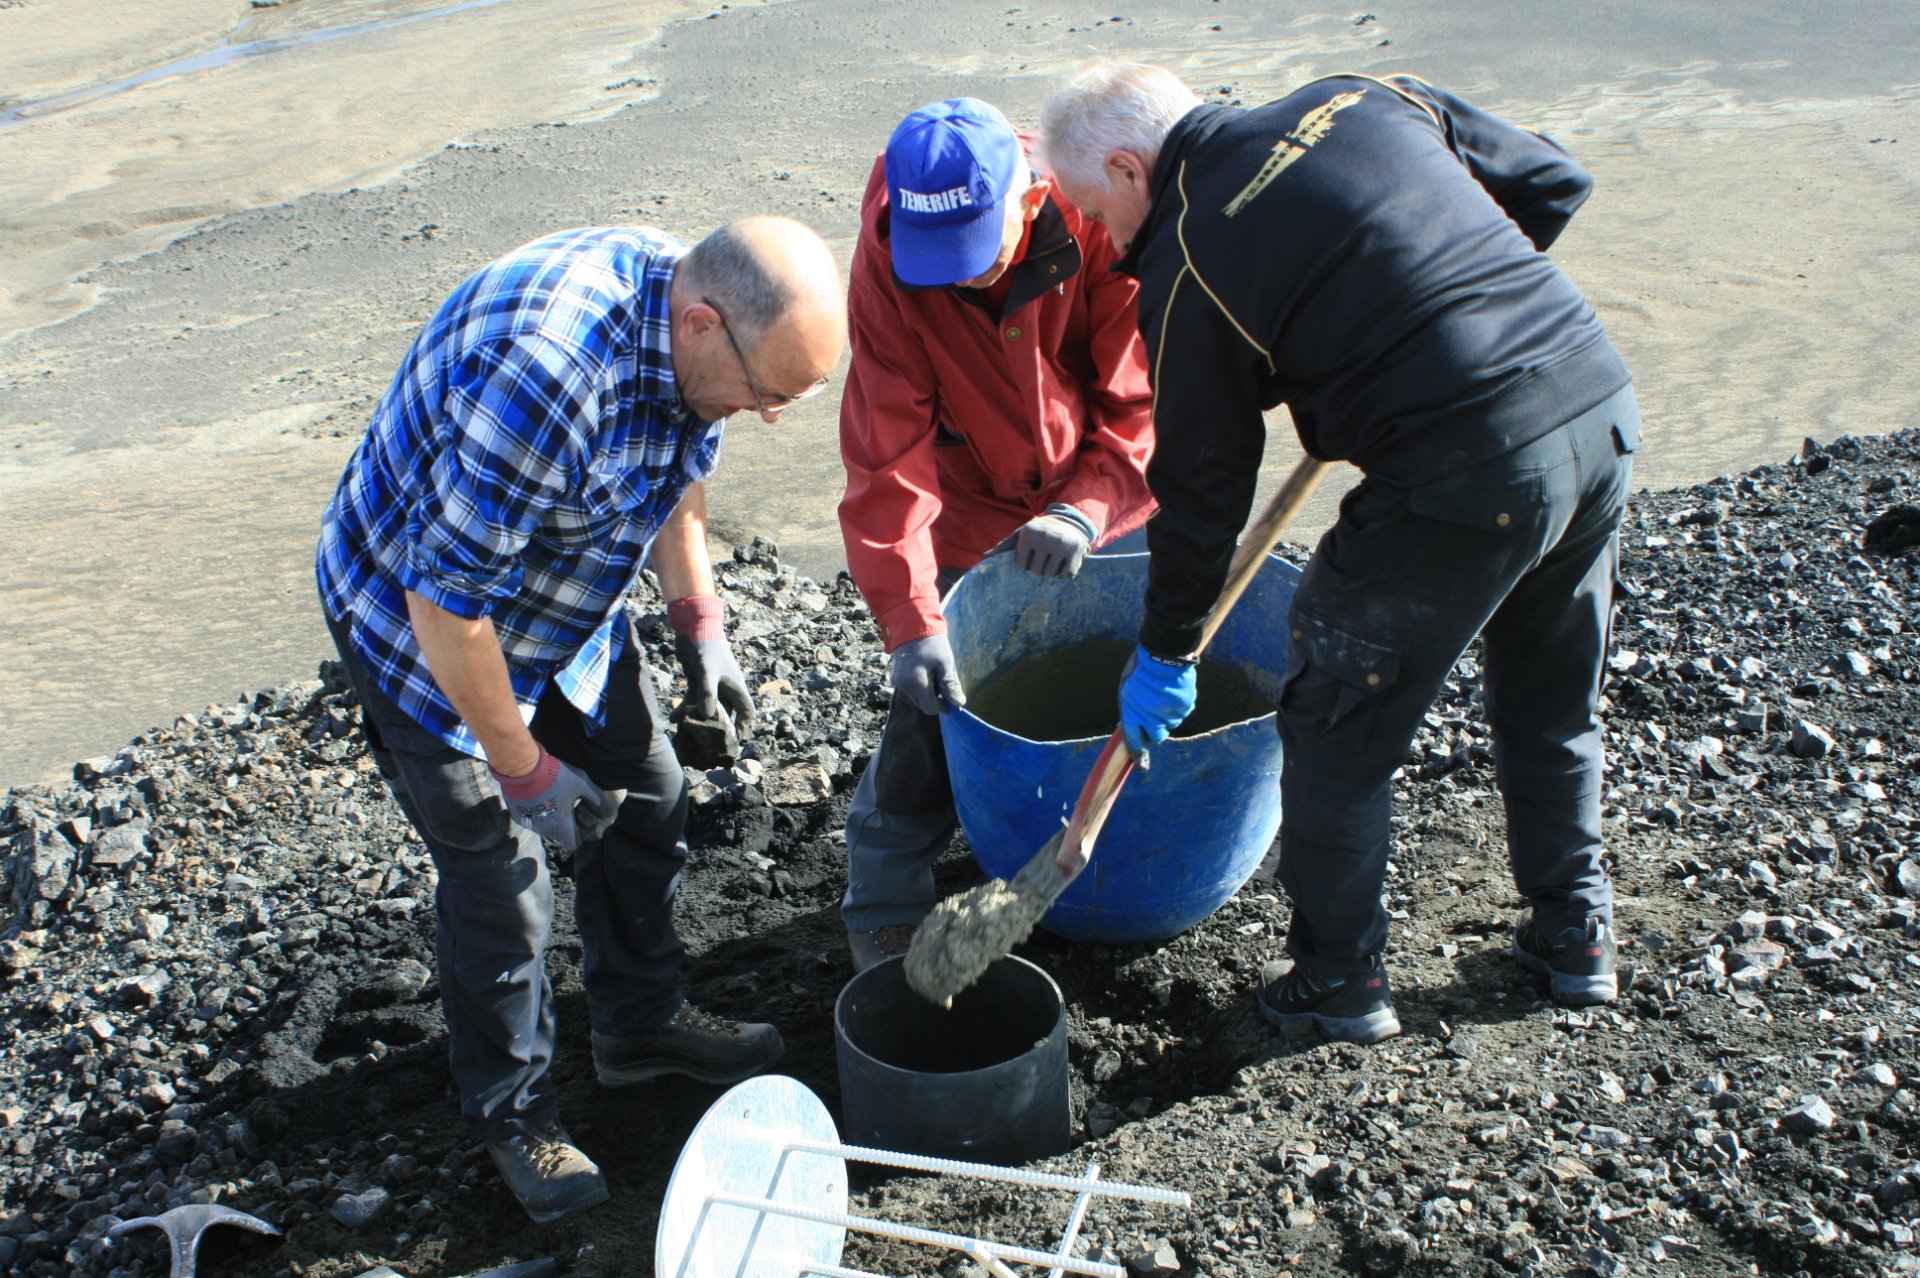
(216, 961)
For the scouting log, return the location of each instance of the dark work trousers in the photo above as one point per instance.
(495, 901)
(902, 815)
(1521, 549)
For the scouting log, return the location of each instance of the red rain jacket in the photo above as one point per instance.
(958, 427)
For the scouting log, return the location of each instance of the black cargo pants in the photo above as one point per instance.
(1521, 549)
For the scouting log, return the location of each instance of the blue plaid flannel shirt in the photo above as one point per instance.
(529, 449)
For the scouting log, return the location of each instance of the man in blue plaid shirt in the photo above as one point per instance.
(546, 437)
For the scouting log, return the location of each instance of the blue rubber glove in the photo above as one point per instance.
(1056, 543)
(1156, 696)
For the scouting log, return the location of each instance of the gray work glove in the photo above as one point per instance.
(714, 677)
(923, 673)
(1054, 544)
(544, 801)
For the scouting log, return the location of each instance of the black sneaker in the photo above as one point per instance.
(547, 1174)
(691, 1043)
(1578, 959)
(1349, 1009)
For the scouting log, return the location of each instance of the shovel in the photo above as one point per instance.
(968, 933)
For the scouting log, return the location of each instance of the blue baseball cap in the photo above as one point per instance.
(951, 167)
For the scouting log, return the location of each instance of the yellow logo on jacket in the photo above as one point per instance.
(1313, 126)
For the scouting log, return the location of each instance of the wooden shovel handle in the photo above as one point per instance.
(1261, 537)
(1115, 764)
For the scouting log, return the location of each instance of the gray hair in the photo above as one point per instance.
(1108, 106)
(731, 268)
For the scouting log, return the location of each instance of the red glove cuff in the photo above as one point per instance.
(543, 775)
(697, 617)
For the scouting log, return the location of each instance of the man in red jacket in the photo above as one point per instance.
(997, 394)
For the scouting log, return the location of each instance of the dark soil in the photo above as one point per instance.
(218, 973)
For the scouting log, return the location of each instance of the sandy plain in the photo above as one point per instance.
(208, 274)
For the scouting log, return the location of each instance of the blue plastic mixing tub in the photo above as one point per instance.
(1184, 835)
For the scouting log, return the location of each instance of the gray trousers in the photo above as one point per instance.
(494, 909)
(901, 818)
(1521, 549)
(902, 815)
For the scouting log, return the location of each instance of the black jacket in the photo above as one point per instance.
(1370, 253)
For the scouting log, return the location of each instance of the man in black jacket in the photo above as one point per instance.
(1371, 253)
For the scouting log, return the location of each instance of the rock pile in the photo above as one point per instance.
(216, 965)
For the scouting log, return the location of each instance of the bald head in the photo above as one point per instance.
(764, 272)
(771, 284)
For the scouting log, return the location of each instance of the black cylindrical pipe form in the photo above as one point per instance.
(984, 1081)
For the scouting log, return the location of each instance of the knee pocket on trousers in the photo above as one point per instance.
(1335, 679)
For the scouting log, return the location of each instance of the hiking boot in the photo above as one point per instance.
(870, 949)
(1578, 959)
(547, 1174)
(693, 1043)
(1347, 1009)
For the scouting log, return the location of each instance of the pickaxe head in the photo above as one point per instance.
(185, 1226)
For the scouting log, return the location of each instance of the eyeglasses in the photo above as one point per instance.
(762, 401)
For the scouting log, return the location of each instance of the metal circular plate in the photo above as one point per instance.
(740, 1147)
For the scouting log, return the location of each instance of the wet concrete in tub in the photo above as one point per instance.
(1072, 692)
